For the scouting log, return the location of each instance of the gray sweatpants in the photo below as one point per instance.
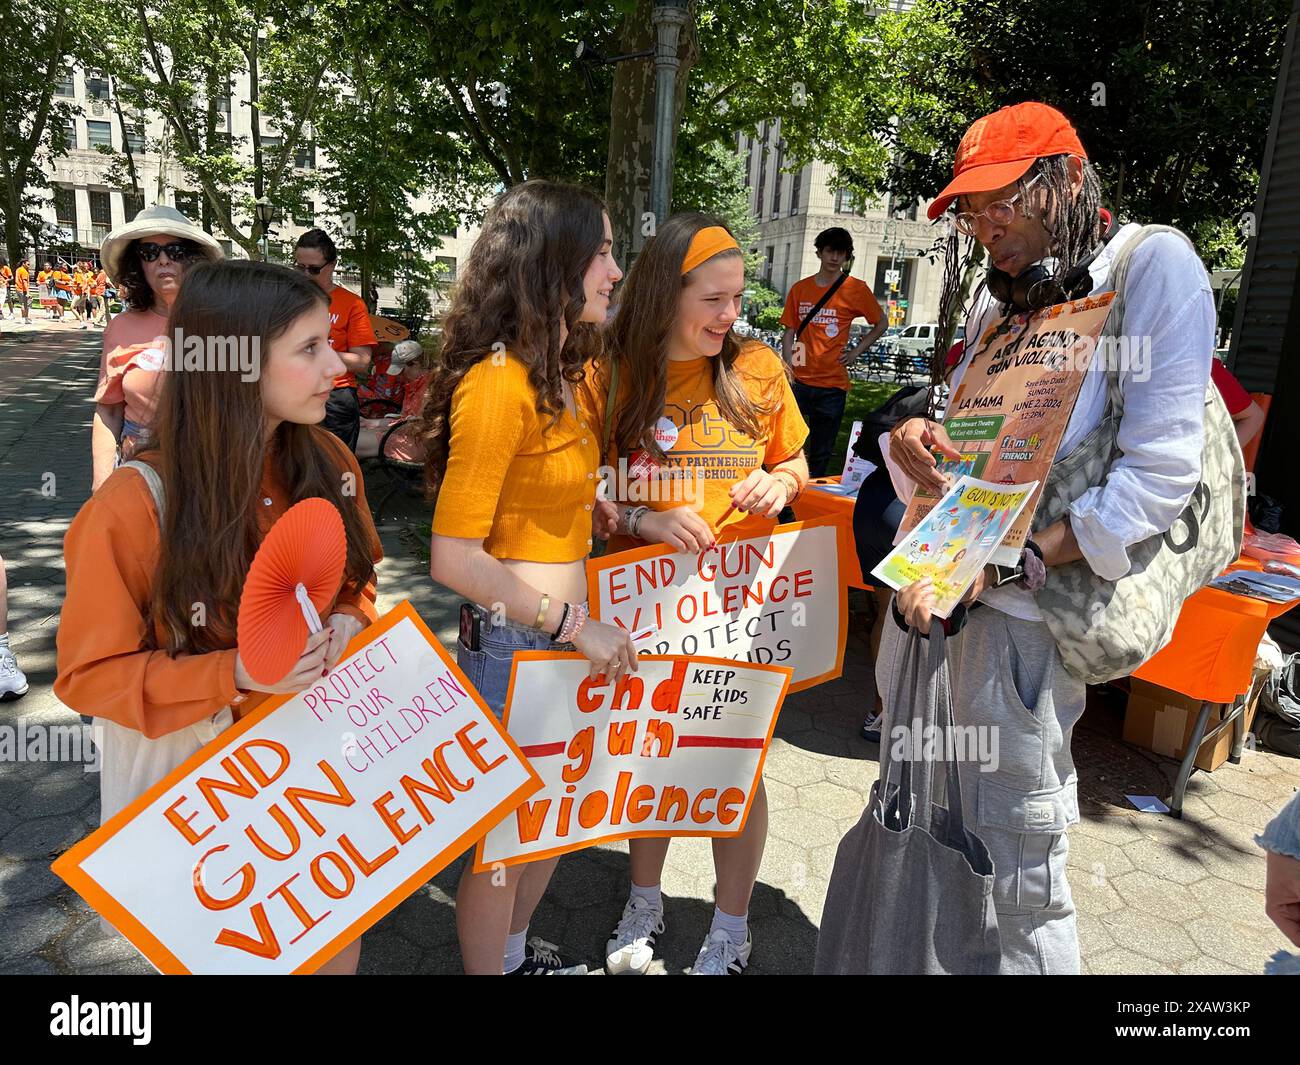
(1008, 679)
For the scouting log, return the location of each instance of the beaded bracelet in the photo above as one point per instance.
(574, 620)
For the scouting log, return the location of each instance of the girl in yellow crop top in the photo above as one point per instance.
(715, 421)
(513, 450)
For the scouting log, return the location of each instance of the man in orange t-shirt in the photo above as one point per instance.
(7, 290)
(817, 351)
(351, 333)
(23, 284)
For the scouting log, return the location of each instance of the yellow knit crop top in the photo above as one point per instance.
(521, 481)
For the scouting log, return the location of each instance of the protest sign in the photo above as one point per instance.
(298, 828)
(1014, 401)
(778, 599)
(956, 539)
(675, 749)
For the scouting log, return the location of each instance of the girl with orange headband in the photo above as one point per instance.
(714, 421)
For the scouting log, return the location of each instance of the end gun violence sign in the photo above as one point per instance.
(774, 600)
(675, 749)
(298, 828)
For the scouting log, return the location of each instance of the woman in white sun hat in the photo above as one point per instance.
(145, 260)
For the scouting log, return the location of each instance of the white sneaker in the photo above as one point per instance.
(631, 948)
(13, 682)
(721, 957)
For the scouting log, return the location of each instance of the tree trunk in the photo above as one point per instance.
(631, 130)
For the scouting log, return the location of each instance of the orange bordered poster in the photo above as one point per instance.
(779, 599)
(276, 845)
(675, 749)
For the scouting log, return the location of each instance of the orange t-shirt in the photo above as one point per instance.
(100, 284)
(6, 275)
(349, 328)
(111, 550)
(707, 455)
(22, 279)
(828, 333)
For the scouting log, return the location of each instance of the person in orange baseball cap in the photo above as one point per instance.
(1023, 187)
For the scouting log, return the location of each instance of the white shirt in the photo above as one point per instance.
(1168, 313)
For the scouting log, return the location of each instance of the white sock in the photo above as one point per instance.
(737, 928)
(652, 895)
(514, 951)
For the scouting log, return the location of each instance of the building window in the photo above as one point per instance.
(305, 214)
(767, 264)
(761, 202)
(776, 179)
(70, 134)
(227, 248)
(101, 208)
(188, 204)
(796, 190)
(132, 205)
(65, 205)
(895, 210)
(99, 134)
(304, 156)
(449, 264)
(135, 140)
(63, 86)
(96, 85)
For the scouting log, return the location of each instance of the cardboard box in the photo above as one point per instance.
(1162, 721)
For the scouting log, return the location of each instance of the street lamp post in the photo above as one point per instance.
(668, 20)
(265, 216)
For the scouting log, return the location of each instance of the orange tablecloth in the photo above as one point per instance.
(814, 504)
(1212, 653)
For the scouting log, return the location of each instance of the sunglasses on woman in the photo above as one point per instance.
(177, 251)
(313, 270)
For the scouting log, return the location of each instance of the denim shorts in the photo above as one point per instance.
(488, 668)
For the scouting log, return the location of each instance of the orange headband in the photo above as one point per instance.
(705, 245)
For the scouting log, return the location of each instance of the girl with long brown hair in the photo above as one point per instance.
(156, 559)
(714, 421)
(513, 451)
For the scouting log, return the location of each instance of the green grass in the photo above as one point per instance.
(864, 397)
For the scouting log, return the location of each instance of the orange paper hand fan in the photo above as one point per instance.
(295, 575)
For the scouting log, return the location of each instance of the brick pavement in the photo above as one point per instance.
(1154, 895)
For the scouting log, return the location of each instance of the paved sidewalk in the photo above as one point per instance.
(1154, 894)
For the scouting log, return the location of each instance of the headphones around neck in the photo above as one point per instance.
(1035, 288)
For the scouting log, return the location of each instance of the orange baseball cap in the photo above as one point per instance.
(1000, 147)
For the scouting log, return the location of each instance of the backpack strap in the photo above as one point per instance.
(152, 479)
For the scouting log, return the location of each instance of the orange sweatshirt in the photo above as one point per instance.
(111, 551)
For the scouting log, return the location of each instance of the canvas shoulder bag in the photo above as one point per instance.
(1106, 629)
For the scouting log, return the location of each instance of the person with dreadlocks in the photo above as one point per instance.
(1024, 189)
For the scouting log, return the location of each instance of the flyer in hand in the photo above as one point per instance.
(1009, 413)
(956, 539)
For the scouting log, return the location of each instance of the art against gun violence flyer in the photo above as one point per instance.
(1009, 413)
(956, 539)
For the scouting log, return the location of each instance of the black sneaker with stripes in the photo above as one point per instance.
(543, 959)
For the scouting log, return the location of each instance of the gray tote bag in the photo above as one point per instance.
(912, 887)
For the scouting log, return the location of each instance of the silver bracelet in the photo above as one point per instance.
(634, 518)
